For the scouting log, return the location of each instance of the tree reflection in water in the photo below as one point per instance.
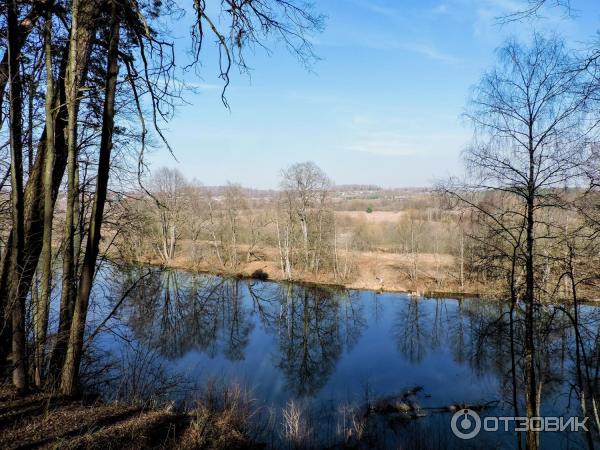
(306, 330)
(175, 313)
(314, 325)
(409, 330)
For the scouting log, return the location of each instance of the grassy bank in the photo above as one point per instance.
(372, 270)
(47, 420)
(221, 420)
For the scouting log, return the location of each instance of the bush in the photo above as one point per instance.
(260, 274)
(369, 210)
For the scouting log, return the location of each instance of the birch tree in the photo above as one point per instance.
(532, 120)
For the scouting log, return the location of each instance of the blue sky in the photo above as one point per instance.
(382, 106)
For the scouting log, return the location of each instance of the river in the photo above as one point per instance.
(329, 351)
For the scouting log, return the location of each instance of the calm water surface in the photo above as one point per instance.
(321, 346)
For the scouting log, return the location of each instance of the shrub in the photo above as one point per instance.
(260, 274)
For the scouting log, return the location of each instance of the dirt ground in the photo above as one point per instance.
(378, 271)
(43, 420)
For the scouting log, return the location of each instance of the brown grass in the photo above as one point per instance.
(375, 217)
(43, 420)
(370, 268)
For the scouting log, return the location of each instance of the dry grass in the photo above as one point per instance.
(375, 217)
(371, 270)
(222, 419)
(43, 420)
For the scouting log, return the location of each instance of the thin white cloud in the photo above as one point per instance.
(388, 41)
(205, 86)
(486, 16)
(442, 8)
(400, 144)
(377, 8)
(400, 33)
(404, 135)
(430, 52)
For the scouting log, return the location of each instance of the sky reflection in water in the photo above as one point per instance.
(316, 345)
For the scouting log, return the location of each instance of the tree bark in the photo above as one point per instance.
(532, 437)
(41, 312)
(75, 348)
(16, 300)
(34, 191)
(67, 300)
(6, 267)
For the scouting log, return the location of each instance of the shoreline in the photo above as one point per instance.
(351, 286)
(245, 275)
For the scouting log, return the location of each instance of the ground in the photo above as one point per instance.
(375, 270)
(44, 420)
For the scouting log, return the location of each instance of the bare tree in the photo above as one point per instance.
(233, 202)
(168, 191)
(532, 125)
(65, 155)
(306, 188)
(70, 370)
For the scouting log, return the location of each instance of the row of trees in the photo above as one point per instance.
(229, 228)
(82, 83)
(305, 228)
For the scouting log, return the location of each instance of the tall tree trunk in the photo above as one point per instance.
(462, 253)
(32, 84)
(41, 312)
(6, 267)
(580, 359)
(71, 367)
(531, 439)
(34, 197)
(16, 300)
(513, 352)
(67, 301)
(304, 226)
(76, 71)
(78, 218)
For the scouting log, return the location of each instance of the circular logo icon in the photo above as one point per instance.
(465, 424)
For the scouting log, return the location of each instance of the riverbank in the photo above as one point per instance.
(46, 420)
(373, 271)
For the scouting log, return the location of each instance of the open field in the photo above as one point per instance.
(375, 217)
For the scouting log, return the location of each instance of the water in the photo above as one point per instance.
(323, 348)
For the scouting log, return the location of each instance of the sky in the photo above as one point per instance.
(382, 105)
